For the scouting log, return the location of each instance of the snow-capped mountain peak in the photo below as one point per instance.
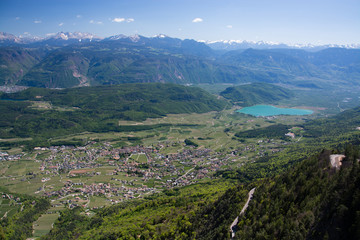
(243, 44)
(135, 38)
(9, 37)
(160, 36)
(117, 37)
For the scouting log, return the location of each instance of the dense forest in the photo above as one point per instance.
(32, 112)
(272, 131)
(313, 201)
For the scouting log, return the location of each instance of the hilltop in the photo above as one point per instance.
(256, 93)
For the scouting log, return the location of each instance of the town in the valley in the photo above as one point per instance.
(98, 173)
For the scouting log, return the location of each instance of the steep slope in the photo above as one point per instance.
(313, 201)
(60, 69)
(256, 93)
(15, 62)
(8, 39)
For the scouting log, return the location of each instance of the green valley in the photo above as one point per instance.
(143, 138)
(160, 175)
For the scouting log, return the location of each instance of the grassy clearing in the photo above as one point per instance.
(21, 167)
(15, 139)
(44, 224)
(139, 158)
(96, 201)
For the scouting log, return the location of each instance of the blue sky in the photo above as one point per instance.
(287, 21)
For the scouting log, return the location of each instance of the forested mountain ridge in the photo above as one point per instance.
(15, 62)
(341, 123)
(122, 59)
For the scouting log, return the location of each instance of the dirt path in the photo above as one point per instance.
(338, 105)
(5, 215)
(235, 222)
(87, 204)
(185, 174)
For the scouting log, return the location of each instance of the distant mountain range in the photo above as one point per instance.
(229, 45)
(62, 38)
(66, 60)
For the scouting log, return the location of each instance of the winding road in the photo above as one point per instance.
(235, 222)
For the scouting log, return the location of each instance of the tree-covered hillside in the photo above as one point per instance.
(256, 93)
(115, 62)
(313, 201)
(15, 62)
(36, 110)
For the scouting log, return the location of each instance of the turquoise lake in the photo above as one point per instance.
(268, 110)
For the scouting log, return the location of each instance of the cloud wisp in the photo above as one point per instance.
(120, 20)
(37, 21)
(197, 20)
(95, 22)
